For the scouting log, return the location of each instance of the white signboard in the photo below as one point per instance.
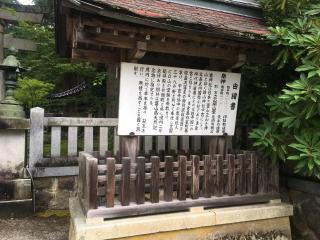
(156, 100)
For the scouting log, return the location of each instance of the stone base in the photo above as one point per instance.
(16, 208)
(210, 224)
(53, 193)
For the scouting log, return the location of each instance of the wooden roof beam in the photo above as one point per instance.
(138, 52)
(181, 48)
(96, 56)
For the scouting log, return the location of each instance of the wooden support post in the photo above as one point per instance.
(195, 167)
(182, 178)
(168, 180)
(36, 136)
(129, 147)
(154, 194)
(111, 183)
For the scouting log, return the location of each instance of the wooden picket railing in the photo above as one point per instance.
(112, 188)
(103, 129)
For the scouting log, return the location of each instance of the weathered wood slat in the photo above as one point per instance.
(208, 177)
(161, 143)
(185, 143)
(253, 174)
(242, 174)
(231, 175)
(111, 183)
(168, 180)
(195, 178)
(196, 143)
(72, 141)
(173, 143)
(103, 141)
(182, 178)
(147, 144)
(36, 136)
(55, 141)
(92, 180)
(154, 194)
(88, 139)
(81, 122)
(140, 181)
(213, 202)
(219, 176)
(125, 182)
(116, 141)
(264, 175)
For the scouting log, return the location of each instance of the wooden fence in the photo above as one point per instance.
(105, 129)
(109, 188)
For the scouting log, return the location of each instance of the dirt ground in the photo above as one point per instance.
(34, 228)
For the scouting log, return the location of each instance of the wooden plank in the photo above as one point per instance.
(154, 194)
(92, 178)
(19, 44)
(55, 141)
(95, 56)
(103, 141)
(264, 175)
(231, 175)
(275, 177)
(196, 143)
(129, 146)
(195, 184)
(182, 178)
(207, 176)
(188, 49)
(161, 143)
(174, 206)
(116, 141)
(82, 175)
(185, 143)
(88, 139)
(253, 174)
(219, 167)
(125, 182)
(242, 174)
(36, 136)
(213, 145)
(111, 183)
(168, 180)
(173, 143)
(147, 144)
(72, 141)
(140, 181)
(79, 122)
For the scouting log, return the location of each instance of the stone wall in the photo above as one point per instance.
(54, 193)
(305, 197)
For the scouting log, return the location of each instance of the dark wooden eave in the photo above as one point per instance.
(100, 35)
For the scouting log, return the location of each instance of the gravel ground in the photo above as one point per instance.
(34, 228)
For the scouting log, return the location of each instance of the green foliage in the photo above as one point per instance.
(292, 129)
(47, 67)
(32, 92)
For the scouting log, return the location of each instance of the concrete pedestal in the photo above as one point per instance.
(12, 152)
(12, 147)
(264, 221)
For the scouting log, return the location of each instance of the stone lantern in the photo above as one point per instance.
(10, 107)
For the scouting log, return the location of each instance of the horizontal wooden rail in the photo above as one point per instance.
(156, 184)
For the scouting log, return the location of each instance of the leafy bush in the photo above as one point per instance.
(32, 92)
(292, 129)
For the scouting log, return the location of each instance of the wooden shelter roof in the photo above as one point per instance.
(217, 19)
(110, 31)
